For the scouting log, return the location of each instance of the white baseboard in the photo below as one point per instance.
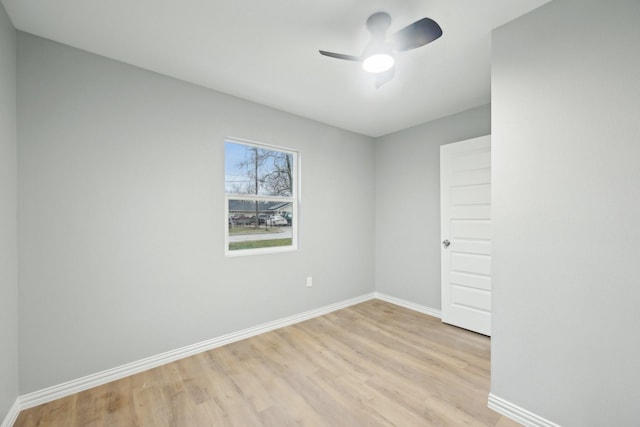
(410, 305)
(516, 413)
(12, 415)
(65, 389)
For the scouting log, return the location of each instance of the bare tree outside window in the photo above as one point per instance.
(264, 178)
(259, 171)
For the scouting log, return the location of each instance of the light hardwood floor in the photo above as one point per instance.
(372, 364)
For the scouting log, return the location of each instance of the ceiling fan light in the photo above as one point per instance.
(377, 63)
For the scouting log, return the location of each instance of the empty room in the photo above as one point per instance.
(339, 213)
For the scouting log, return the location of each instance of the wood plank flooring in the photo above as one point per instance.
(372, 364)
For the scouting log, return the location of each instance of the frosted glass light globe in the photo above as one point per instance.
(378, 63)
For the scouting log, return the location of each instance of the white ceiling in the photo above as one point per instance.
(267, 51)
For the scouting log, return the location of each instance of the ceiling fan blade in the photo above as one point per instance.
(339, 56)
(415, 35)
(385, 76)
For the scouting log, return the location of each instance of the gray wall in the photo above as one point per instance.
(566, 175)
(121, 215)
(407, 262)
(8, 218)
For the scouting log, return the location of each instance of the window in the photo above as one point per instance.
(261, 198)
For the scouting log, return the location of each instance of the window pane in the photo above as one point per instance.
(257, 170)
(259, 224)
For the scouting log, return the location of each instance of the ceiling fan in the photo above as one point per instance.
(378, 55)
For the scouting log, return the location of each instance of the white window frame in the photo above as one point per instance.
(294, 200)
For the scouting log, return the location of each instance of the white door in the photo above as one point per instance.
(465, 203)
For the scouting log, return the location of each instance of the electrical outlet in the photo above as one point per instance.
(309, 281)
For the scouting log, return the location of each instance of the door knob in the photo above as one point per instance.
(446, 243)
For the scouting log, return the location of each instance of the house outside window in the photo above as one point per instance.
(261, 198)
